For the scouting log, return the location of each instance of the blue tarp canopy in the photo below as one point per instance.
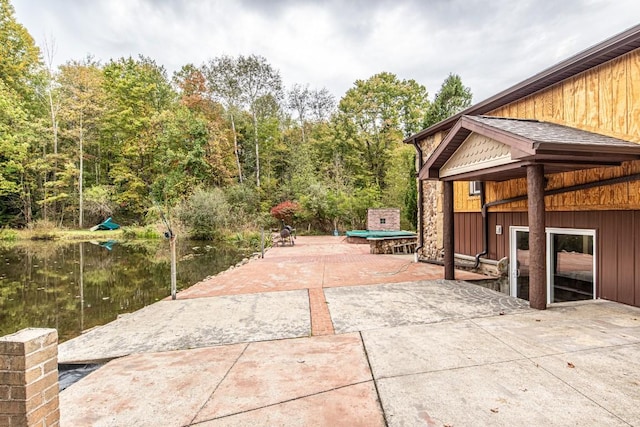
(107, 224)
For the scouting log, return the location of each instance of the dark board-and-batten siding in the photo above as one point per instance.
(618, 244)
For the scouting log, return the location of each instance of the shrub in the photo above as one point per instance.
(206, 214)
(147, 232)
(98, 201)
(8, 235)
(43, 230)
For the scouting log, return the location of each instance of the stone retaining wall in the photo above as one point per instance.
(357, 240)
(386, 246)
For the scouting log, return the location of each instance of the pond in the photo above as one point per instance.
(76, 286)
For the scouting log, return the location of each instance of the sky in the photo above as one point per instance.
(491, 44)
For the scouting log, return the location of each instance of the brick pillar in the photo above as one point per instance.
(29, 378)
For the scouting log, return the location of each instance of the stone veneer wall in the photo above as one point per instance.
(390, 215)
(432, 215)
(386, 246)
(432, 218)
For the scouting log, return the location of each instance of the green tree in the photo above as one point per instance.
(452, 98)
(401, 189)
(20, 143)
(81, 110)
(373, 117)
(216, 150)
(257, 80)
(19, 56)
(300, 159)
(17, 135)
(138, 92)
(223, 84)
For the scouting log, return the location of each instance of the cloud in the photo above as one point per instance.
(332, 43)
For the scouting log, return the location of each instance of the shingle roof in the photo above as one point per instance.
(550, 133)
(559, 147)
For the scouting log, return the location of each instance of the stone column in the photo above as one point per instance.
(537, 238)
(448, 231)
(29, 378)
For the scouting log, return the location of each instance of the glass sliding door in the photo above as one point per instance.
(570, 264)
(520, 268)
(571, 270)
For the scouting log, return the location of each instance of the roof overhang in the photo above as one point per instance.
(496, 149)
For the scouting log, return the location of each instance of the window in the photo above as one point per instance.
(570, 264)
(474, 188)
(383, 220)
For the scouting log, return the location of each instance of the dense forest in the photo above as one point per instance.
(216, 146)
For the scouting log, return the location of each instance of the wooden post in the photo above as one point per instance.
(537, 238)
(448, 232)
(29, 386)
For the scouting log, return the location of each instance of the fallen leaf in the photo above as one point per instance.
(570, 365)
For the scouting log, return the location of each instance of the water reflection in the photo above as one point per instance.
(74, 287)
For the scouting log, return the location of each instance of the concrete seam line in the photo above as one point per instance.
(454, 368)
(559, 353)
(218, 385)
(281, 402)
(581, 393)
(499, 339)
(530, 359)
(375, 382)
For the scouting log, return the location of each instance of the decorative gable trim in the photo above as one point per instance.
(475, 153)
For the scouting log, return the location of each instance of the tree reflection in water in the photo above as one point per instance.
(76, 286)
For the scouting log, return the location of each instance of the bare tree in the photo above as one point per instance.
(53, 104)
(321, 104)
(257, 79)
(299, 100)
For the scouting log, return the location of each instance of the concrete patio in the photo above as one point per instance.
(323, 333)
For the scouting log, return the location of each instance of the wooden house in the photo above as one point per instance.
(544, 179)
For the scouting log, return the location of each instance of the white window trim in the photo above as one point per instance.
(474, 188)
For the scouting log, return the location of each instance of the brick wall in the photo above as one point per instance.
(29, 378)
(387, 219)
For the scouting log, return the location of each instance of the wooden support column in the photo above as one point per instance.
(448, 232)
(537, 238)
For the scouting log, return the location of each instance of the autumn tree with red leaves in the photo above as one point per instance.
(285, 211)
